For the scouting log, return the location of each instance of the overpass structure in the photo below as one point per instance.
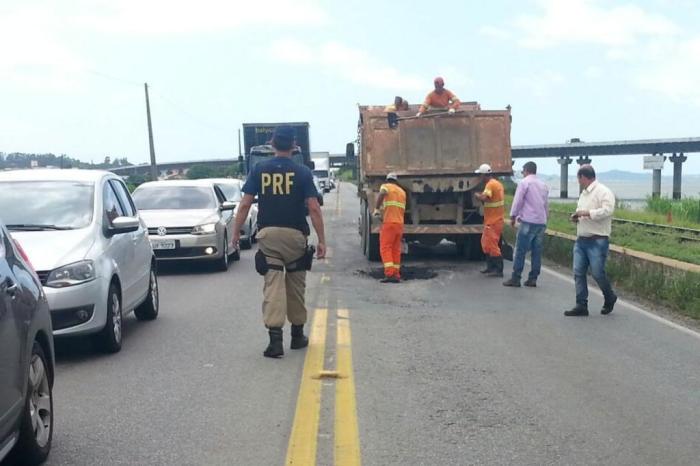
(172, 168)
(583, 151)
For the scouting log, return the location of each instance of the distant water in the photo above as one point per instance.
(631, 190)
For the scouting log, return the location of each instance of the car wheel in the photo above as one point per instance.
(36, 428)
(222, 263)
(110, 338)
(148, 310)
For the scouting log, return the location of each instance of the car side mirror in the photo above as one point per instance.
(123, 225)
(349, 150)
(228, 205)
(311, 164)
(255, 200)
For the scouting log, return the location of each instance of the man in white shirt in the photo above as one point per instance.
(593, 219)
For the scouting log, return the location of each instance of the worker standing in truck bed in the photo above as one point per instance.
(440, 98)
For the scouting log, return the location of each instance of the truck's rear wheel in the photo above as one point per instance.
(470, 248)
(369, 240)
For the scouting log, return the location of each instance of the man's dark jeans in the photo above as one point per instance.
(591, 253)
(530, 238)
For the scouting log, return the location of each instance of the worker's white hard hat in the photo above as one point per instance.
(484, 168)
(392, 176)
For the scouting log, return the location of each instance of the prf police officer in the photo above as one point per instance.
(284, 189)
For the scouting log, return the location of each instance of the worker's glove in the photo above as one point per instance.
(377, 213)
(419, 114)
(451, 111)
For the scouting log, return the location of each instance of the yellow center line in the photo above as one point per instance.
(347, 437)
(302, 442)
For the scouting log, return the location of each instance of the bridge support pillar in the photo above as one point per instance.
(564, 163)
(656, 181)
(677, 173)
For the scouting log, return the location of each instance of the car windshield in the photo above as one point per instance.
(174, 197)
(321, 173)
(231, 191)
(55, 205)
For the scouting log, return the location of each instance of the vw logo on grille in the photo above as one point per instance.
(162, 231)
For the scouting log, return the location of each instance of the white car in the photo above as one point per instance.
(81, 231)
(233, 190)
(188, 220)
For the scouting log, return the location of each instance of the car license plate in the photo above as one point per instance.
(163, 244)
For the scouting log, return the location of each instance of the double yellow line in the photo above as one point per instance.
(303, 441)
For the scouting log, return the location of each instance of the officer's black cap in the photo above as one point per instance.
(283, 137)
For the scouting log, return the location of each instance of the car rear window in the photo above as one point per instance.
(174, 197)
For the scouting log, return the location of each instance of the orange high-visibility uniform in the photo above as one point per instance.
(494, 208)
(443, 100)
(392, 228)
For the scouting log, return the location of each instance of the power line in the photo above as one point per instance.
(187, 113)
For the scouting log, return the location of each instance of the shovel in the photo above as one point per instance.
(393, 119)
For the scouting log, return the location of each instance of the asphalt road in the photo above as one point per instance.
(452, 370)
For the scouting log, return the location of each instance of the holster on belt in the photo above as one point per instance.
(262, 266)
(303, 263)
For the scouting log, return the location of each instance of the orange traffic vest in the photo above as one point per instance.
(394, 203)
(494, 207)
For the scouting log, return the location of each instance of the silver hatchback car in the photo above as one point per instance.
(82, 232)
(188, 220)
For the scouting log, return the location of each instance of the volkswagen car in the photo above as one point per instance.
(82, 232)
(188, 220)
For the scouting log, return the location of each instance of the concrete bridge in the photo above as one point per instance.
(564, 153)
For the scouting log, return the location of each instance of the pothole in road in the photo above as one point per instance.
(407, 273)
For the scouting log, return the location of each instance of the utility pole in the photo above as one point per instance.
(154, 168)
(240, 154)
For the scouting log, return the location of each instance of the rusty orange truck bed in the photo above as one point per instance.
(436, 157)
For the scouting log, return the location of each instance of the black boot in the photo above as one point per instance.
(275, 348)
(298, 339)
(497, 270)
(489, 265)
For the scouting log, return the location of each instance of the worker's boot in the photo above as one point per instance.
(298, 339)
(497, 267)
(489, 265)
(275, 348)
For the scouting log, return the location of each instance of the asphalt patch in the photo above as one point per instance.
(407, 273)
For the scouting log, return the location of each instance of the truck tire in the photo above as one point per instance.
(470, 248)
(369, 241)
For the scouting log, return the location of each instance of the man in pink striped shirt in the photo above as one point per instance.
(530, 206)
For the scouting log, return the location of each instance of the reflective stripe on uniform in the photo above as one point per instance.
(400, 205)
(388, 264)
(494, 204)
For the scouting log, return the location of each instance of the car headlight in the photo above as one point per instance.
(204, 229)
(71, 274)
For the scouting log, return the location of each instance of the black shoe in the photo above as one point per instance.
(512, 282)
(497, 270)
(577, 311)
(275, 348)
(489, 265)
(390, 280)
(608, 306)
(530, 282)
(299, 341)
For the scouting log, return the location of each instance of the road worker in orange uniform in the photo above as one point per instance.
(494, 209)
(392, 198)
(440, 98)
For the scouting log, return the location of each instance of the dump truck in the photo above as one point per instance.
(436, 157)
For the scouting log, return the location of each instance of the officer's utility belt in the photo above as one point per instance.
(302, 264)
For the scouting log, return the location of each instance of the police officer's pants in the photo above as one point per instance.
(284, 291)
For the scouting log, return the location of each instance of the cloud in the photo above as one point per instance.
(672, 70)
(171, 17)
(32, 58)
(346, 62)
(494, 32)
(587, 22)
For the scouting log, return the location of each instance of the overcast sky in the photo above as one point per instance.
(72, 71)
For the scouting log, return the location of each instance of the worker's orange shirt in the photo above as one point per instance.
(394, 203)
(440, 100)
(494, 206)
